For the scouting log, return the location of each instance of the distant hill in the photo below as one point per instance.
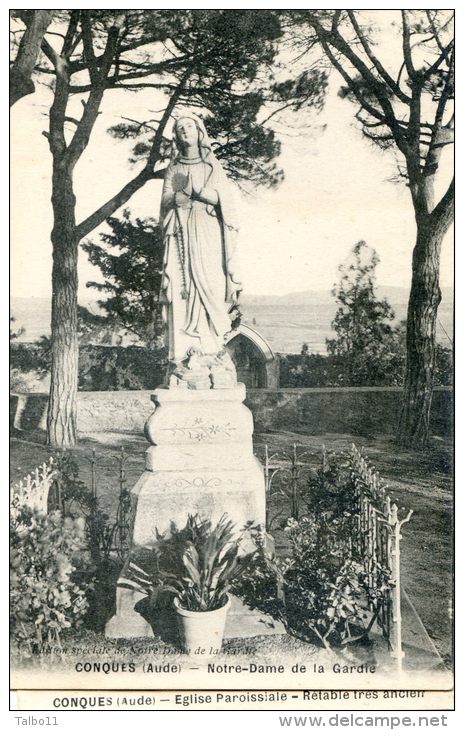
(396, 295)
(34, 314)
(285, 321)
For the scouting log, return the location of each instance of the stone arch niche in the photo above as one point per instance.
(256, 364)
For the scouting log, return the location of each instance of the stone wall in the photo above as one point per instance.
(365, 411)
(358, 411)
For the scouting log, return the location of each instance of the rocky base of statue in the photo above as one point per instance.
(200, 462)
(203, 372)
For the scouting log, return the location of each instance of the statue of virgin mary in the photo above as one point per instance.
(200, 283)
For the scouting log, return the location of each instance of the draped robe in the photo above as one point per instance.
(200, 279)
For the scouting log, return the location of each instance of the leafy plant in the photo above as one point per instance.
(321, 587)
(260, 581)
(210, 562)
(198, 563)
(47, 595)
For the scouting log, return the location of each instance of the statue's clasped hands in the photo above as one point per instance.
(184, 198)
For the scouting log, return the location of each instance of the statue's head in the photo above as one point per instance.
(190, 131)
(186, 132)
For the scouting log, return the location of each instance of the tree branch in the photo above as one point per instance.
(82, 134)
(154, 152)
(147, 173)
(69, 42)
(336, 20)
(352, 86)
(60, 64)
(383, 73)
(56, 138)
(117, 83)
(338, 42)
(414, 129)
(443, 213)
(21, 83)
(379, 137)
(87, 41)
(108, 208)
(436, 65)
(439, 133)
(434, 31)
(407, 46)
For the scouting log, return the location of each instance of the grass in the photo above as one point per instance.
(418, 481)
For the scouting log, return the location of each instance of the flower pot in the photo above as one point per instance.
(201, 632)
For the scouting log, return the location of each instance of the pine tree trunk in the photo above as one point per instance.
(62, 406)
(424, 299)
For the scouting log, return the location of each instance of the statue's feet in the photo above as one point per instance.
(223, 373)
(193, 372)
(200, 371)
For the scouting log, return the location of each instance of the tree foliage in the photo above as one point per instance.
(365, 339)
(131, 261)
(94, 328)
(228, 55)
(404, 104)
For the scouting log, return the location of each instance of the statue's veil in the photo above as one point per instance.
(217, 179)
(204, 142)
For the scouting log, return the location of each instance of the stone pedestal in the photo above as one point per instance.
(200, 461)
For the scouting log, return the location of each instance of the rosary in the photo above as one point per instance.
(180, 245)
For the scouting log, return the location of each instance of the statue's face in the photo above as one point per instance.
(187, 132)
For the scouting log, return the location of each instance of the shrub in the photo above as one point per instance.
(100, 367)
(444, 368)
(318, 589)
(260, 582)
(321, 588)
(107, 539)
(47, 596)
(315, 592)
(120, 368)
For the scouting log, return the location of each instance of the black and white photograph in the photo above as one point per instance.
(231, 359)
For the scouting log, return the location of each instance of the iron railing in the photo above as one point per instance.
(374, 541)
(375, 537)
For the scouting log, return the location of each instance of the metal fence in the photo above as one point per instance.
(114, 535)
(285, 477)
(57, 485)
(375, 538)
(378, 538)
(33, 491)
(374, 541)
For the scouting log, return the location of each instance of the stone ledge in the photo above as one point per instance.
(185, 395)
(360, 411)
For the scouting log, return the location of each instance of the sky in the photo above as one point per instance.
(336, 191)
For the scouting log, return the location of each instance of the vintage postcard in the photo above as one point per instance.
(231, 340)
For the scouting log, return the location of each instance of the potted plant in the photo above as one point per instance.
(209, 565)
